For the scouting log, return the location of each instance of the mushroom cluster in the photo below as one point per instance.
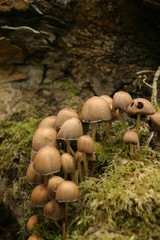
(63, 151)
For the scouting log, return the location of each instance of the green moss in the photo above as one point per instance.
(69, 87)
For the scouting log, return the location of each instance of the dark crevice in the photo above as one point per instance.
(44, 74)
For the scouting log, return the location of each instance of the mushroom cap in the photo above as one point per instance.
(78, 156)
(54, 210)
(39, 196)
(71, 129)
(48, 122)
(33, 221)
(121, 100)
(140, 106)
(130, 137)
(96, 109)
(155, 121)
(47, 161)
(68, 163)
(86, 144)
(31, 176)
(44, 137)
(34, 237)
(63, 115)
(53, 183)
(67, 192)
(107, 98)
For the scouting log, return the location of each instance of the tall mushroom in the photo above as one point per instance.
(85, 144)
(95, 110)
(68, 165)
(71, 130)
(121, 100)
(140, 106)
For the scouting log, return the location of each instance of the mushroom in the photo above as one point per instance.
(32, 177)
(79, 171)
(47, 161)
(39, 196)
(155, 126)
(53, 184)
(71, 130)
(68, 165)
(131, 138)
(95, 110)
(54, 210)
(140, 106)
(63, 115)
(67, 192)
(85, 144)
(48, 122)
(44, 137)
(121, 100)
(32, 223)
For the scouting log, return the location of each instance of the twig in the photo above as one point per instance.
(24, 28)
(144, 81)
(144, 71)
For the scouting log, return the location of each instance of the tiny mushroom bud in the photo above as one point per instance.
(32, 223)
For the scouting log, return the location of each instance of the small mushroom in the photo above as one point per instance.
(47, 161)
(35, 237)
(32, 223)
(39, 196)
(121, 100)
(68, 165)
(52, 185)
(71, 130)
(44, 137)
(85, 145)
(63, 115)
(32, 177)
(131, 138)
(95, 110)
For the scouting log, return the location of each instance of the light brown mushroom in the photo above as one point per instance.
(85, 144)
(52, 185)
(47, 161)
(63, 115)
(32, 177)
(44, 137)
(48, 122)
(68, 165)
(67, 192)
(140, 106)
(95, 110)
(35, 237)
(32, 223)
(121, 100)
(131, 138)
(71, 130)
(39, 196)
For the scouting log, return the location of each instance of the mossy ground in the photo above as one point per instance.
(122, 201)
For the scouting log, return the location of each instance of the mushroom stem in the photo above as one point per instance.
(80, 171)
(108, 127)
(93, 130)
(131, 150)
(134, 148)
(73, 177)
(122, 121)
(65, 176)
(46, 180)
(64, 231)
(76, 176)
(85, 127)
(68, 146)
(85, 164)
(57, 224)
(66, 213)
